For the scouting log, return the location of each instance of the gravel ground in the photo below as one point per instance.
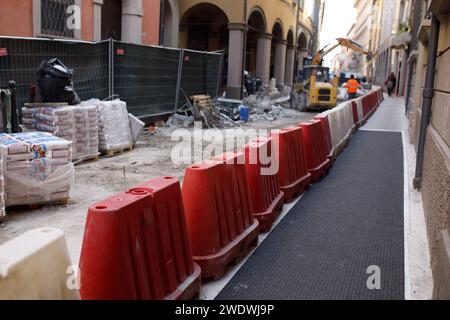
(97, 180)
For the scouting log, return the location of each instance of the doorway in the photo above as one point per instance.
(112, 19)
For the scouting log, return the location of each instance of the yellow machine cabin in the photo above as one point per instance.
(314, 88)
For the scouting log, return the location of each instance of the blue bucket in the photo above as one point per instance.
(244, 113)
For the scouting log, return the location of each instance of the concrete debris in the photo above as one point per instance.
(225, 113)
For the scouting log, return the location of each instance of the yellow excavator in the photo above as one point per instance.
(314, 88)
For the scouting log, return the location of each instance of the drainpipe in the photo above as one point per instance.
(244, 48)
(428, 93)
(162, 13)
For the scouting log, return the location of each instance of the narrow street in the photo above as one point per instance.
(224, 158)
(97, 180)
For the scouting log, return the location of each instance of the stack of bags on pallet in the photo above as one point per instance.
(37, 168)
(56, 120)
(114, 126)
(85, 144)
(78, 124)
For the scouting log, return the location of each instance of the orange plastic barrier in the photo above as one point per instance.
(316, 155)
(219, 213)
(136, 246)
(262, 176)
(293, 173)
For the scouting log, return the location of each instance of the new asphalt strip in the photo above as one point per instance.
(344, 239)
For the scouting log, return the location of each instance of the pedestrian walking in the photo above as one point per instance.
(352, 87)
(390, 83)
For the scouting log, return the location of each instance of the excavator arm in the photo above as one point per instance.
(321, 54)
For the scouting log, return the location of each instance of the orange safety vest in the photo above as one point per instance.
(352, 86)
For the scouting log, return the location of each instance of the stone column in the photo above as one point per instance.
(132, 13)
(280, 63)
(235, 59)
(98, 20)
(263, 57)
(290, 61)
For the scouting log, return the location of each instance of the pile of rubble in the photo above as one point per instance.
(268, 105)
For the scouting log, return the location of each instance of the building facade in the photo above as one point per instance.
(135, 21)
(390, 37)
(428, 107)
(267, 38)
(360, 33)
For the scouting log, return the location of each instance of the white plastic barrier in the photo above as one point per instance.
(341, 123)
(36, 266)
(359, 108)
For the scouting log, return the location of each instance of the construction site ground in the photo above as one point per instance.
(97, 180)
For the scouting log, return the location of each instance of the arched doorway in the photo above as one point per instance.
(278, 54)
(111, 19)
(277, 37)
(302, 50)
(204, 27)
(290, 58)
(256, 42)
(171, 17)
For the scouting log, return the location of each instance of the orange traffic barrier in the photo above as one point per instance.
(290, 153)
(136, 246)
(219, 213)
(318, 164)
(262, 176)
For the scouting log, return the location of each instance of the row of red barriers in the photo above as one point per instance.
(364, 107)
(291, 156)
(219, 213)
(136, 246)
(157, 240)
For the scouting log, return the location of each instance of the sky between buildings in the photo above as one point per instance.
(339, 16)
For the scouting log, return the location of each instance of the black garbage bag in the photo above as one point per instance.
(55, 82)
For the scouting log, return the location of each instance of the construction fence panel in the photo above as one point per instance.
(22, 57)
(201, 73)
(146, 78)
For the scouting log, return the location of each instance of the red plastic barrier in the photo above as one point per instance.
(325, 124)
(318, 164)
(219, 213)
(293, 171)
(267, 197)
(136, 246)
(366, 106)
(355, 114)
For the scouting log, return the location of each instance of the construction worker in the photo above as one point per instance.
(352, 87)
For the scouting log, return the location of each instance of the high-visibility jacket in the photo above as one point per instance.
(352, 86)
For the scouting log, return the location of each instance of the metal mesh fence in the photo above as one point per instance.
(148, 78)
(89, 61)
(201, 73)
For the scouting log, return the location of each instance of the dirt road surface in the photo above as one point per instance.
(97, 180)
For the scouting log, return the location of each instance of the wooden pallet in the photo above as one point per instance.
(38, 206)
(83, 160)
(116, 152)
(202, 101)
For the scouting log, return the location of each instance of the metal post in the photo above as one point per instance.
(4, 113)
(428, 94)
(14, 111)
(111, 67)
(244, 49)
(180, 74)
(219, 80)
